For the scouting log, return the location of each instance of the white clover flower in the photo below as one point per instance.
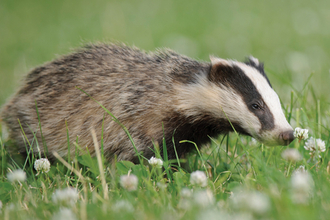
(161, 185)
(214, 214)
(129, 182)
(67, 196)
(64, 213)
(186, 193)
(301, 134)
(155, 162)
(12, 207)
(42, 165)
(291, 154)
(242, 216)
(320, 144)
(253, 201)
(314, 146)
(203, 198)
(200, 198)
(302, 185)
(185, 202)
(123, 206)
(300, 169)
(198, 178)
(16, 175)
(302, 181)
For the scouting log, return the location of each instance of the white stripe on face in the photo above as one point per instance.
(271, 99)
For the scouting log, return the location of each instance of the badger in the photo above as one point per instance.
(158, 96)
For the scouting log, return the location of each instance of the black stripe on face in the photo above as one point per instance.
(234, 77)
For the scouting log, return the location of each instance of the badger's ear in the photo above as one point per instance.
(254, 60)
(218, 61)
(219, 66)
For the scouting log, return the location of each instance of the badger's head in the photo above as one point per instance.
(241, 93)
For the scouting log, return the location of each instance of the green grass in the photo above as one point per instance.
(290, 36)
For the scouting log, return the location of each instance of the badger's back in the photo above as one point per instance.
(139, 88)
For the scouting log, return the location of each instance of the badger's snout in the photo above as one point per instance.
(287, 137)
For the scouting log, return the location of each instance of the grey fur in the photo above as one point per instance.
(138, 88)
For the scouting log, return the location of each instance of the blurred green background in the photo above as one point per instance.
(290, 36)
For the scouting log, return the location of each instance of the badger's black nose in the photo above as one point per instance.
(287, 137)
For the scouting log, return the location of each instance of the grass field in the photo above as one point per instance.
(244, 179)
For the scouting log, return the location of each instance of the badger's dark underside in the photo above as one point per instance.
(199, 132)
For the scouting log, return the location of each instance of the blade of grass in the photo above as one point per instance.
(3, 159)
(102, 141)
(83, 207)
(27, 140)
(76, 148)
(165, 156)
(176, 153)
(100, 163)
(68, 141)
(199, 153)
(42, 137)
(68, 144)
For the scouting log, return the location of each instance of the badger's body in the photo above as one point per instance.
(154, 95)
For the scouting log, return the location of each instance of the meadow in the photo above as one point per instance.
(234, 177)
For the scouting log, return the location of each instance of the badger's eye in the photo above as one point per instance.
(255, 106)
